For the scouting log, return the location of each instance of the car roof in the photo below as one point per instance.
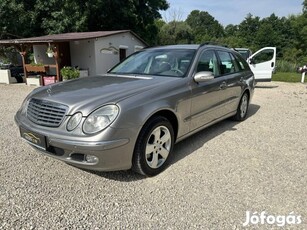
(187, 46)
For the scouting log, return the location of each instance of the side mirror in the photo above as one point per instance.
(203, 76)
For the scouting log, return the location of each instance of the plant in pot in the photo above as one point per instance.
(50, 52)
(69, 73)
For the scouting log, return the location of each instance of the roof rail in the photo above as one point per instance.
(214, 43)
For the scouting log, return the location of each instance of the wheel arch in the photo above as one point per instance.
(171, 117)
(248, 93)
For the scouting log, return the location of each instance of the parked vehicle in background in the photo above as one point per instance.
(262, 62)
(245, 52)
(132, 116)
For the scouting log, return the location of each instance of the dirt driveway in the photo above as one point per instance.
(215, 178)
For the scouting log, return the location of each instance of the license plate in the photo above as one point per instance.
(33, 138)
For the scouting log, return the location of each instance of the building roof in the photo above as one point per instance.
(65, 37)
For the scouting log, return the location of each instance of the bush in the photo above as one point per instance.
(69, 72)
(285, 66)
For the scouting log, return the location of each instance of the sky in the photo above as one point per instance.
(232, 11)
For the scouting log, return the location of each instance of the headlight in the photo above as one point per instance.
(74, 121)
(24, 105)
(100, 119)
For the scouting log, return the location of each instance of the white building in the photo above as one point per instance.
(93, 52)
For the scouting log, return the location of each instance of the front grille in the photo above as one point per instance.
(46, 113)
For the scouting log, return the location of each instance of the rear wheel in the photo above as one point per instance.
(242, 108)
(153, 147)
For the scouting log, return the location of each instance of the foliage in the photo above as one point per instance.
(299, 25)
(40, 17)
(288, 34)
(69, 72)
(175, 32)
(204, 26)
(285, 66)
(49, 50)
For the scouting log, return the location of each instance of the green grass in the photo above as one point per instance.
(288, 77)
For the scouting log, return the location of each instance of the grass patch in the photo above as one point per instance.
(285, 66)
(288, 77)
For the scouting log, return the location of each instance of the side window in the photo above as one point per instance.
(228, 64)
(235, 63)
(263, 56)
(208, 62)
(241, 62)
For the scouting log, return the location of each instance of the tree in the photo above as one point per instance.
(204, 26)
(231, 30)
(299, 25)
(274, 31)
(175, 33)
(16, 19)
(247, 30)
(62, 16)
(40, 17)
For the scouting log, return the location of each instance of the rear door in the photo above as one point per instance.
(263, 63)
(234, 79)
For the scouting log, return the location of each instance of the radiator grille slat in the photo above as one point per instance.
(46, 113)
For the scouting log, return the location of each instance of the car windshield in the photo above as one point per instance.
(161, 62)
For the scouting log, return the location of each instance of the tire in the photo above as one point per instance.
(242, 108)
(153, 147)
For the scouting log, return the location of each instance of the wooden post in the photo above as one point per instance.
(23, 56)
(57, 62)
(23, 52)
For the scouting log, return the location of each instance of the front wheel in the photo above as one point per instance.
(153, 147)
(242, 108)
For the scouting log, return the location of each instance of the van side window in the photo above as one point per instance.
(263, 56)
(208, 62)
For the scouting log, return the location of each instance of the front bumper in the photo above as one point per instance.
(110, 155)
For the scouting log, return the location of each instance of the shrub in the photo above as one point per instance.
(285, 66)
(69, 72)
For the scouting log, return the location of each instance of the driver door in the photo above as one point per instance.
(208, 98)
(263, 63)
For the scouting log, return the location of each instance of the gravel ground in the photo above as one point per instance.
(216, 176)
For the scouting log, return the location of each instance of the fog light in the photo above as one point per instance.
(91, 159)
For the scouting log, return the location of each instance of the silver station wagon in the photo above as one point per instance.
(132, 116)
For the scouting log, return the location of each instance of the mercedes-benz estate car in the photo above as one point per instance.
(132, 116)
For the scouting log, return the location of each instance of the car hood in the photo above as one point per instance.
(88, 93)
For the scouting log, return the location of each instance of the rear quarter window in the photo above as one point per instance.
(241, 62)
(228, 63)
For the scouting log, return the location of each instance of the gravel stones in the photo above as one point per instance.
(215, 176)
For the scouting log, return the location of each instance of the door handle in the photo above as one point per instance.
(223, 85)
(241, 79)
